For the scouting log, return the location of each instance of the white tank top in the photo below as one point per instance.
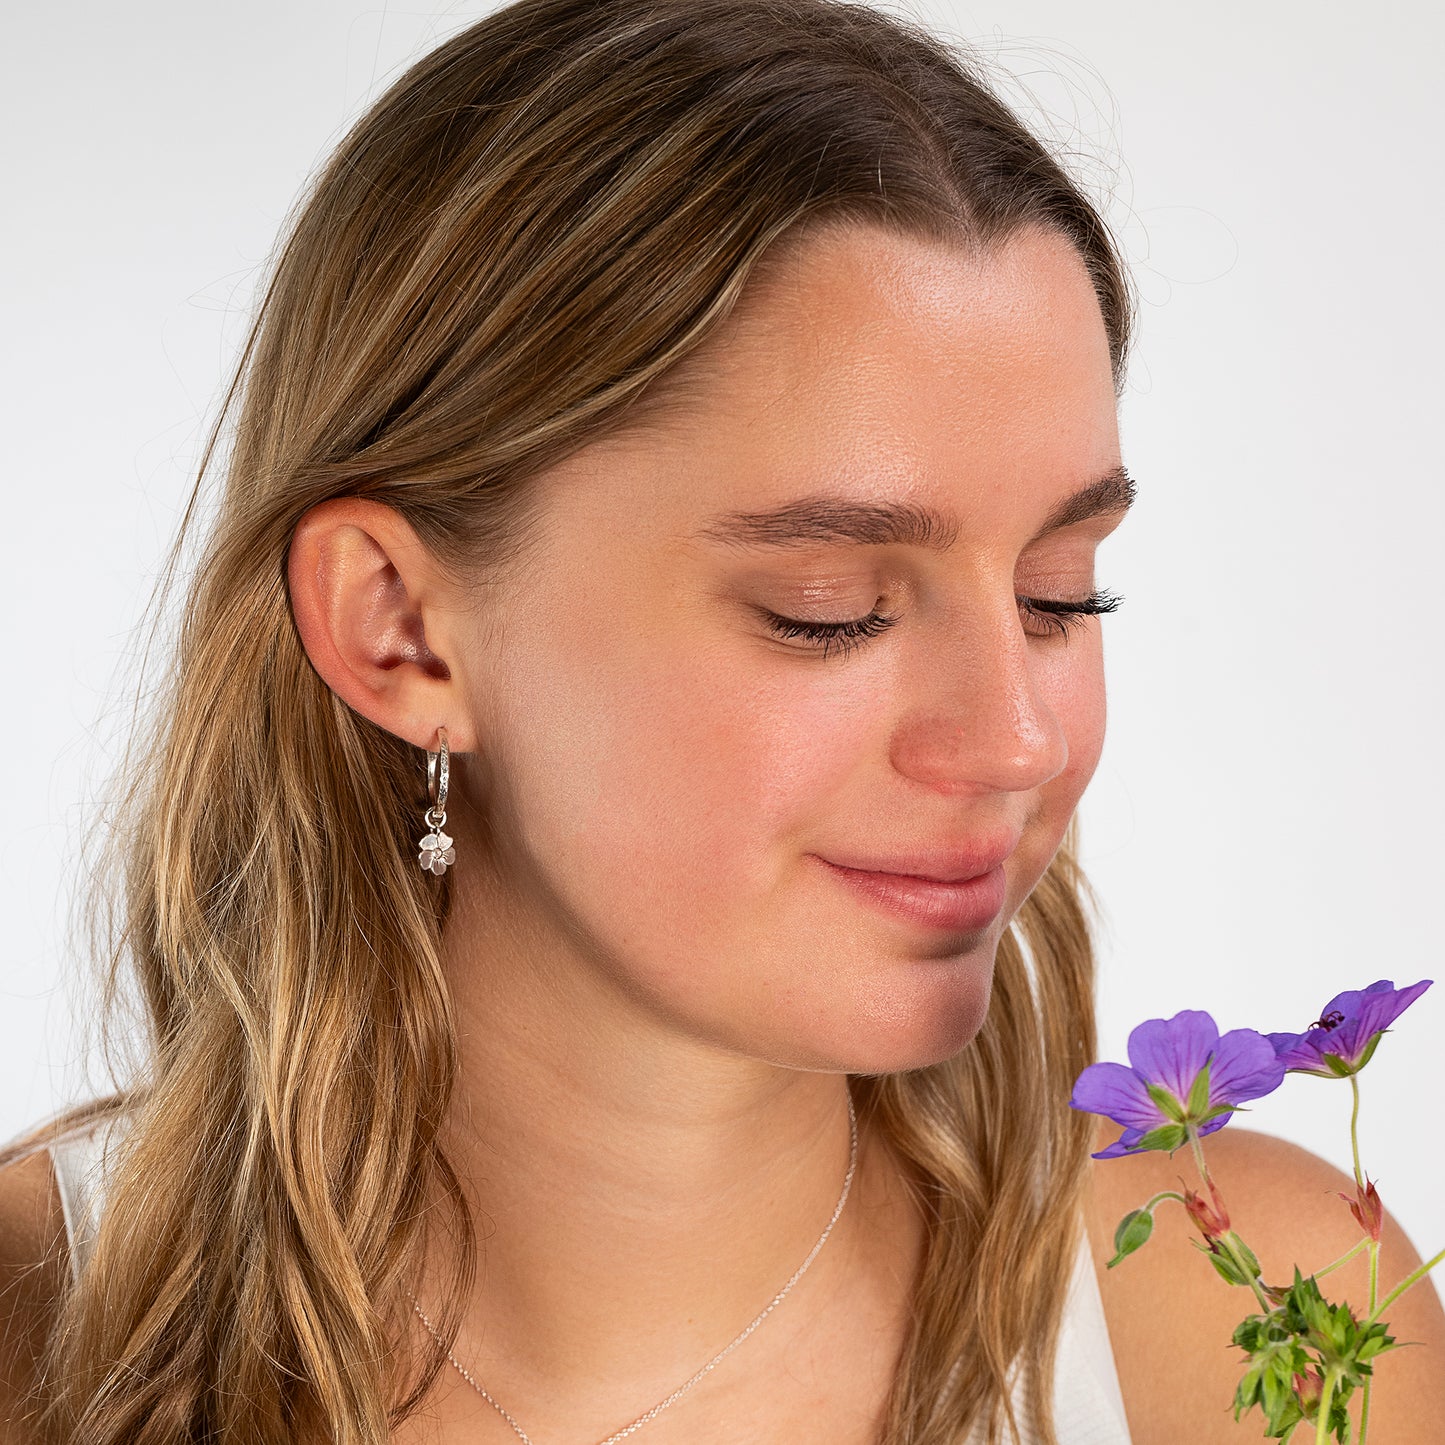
(1088, 1406)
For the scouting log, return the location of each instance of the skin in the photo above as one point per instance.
(658, 990)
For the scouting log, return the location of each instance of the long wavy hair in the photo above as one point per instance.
(506, 257)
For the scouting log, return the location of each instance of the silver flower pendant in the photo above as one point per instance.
(436, 852)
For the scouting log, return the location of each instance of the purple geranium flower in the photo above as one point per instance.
(1183, 1073)
(1352, 1024)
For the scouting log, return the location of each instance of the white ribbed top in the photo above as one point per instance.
(1089, 1408)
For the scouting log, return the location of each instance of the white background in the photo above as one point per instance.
(1263, 827)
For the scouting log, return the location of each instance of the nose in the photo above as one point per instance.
(976, 720)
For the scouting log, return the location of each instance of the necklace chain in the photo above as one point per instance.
(657, 1409)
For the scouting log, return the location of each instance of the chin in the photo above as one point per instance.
(920, 1049)
(928, 1018)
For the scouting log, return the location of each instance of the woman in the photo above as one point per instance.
(604, 883)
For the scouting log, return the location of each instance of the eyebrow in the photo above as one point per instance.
(832, 520)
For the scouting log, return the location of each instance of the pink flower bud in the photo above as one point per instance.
(1211, 1216)
(1366, 1207)
(1309, 1389)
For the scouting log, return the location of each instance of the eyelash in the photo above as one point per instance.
(1059, 618)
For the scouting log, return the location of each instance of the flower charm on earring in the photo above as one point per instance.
(436, 847)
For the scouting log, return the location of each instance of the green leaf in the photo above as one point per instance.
(1370, 1049)
(1276, 1395)
(1166, 1136)
(1375, 1345)
(1168, 1105)
(1246, 1252)
(1248, 1391)
(1216, 1111)
(1133, 1232)
(1337, 1066)
(1225, 1267)
(1199, 1093)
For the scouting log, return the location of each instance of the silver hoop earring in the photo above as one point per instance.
(436, 847)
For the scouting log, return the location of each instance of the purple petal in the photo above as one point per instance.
(1123, 1145)
(1379, 1009)
(1245, 1067)
(1305, 1057)
(1348, 1002)
(1172, 1051)
(1214, 1124)
(1348, 1040)
(1292, 1048)
(1304, 1053)
(1118, 1093)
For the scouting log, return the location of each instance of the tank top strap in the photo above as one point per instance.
(1088, 1403)
(82, 1160)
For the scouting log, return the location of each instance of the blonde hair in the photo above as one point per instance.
(508, 255)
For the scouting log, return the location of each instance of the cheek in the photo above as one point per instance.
(1071, 686)
(706, 772)
(643, 781)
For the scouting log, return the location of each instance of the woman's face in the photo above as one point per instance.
(663, 773)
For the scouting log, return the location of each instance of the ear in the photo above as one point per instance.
(364, 592)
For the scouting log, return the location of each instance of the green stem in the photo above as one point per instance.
(1374, 1290)
(1198, 1149)
(1322, 1420)
(1413, 1278)
(1344, 1258)
(1163, 1194)
(1265, 1303)
(1355, 1128)
(1373, 1244)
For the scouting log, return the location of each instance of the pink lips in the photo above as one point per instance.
(967, 903)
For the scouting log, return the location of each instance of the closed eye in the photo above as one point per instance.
(1057, 617)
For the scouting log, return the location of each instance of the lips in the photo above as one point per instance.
(950, 864)
(963, 905)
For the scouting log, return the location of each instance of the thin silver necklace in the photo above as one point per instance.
(777, 1299)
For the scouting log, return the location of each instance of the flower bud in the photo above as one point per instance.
(1210, 1215)
(1309, 1389)
(1366, 1207)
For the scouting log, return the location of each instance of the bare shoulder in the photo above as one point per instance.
(1170, 1316)
(34, 1263)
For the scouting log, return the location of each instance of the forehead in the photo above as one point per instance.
(866, 322)
(888, 367)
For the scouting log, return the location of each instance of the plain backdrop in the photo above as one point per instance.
(1264, 825)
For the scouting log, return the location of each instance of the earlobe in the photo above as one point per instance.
(360, 587)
